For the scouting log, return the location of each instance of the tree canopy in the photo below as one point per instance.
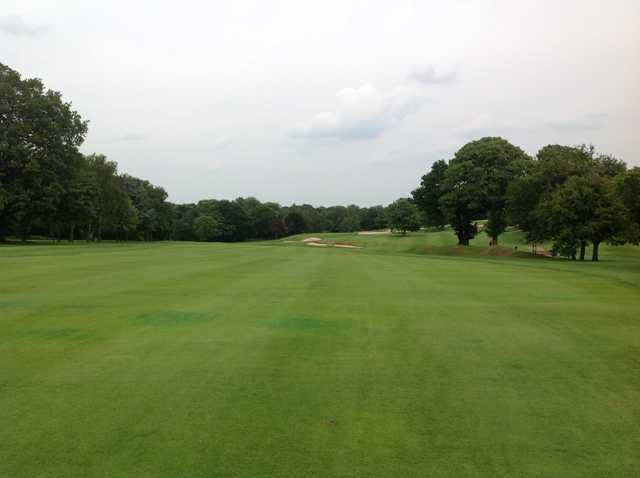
(403, 216)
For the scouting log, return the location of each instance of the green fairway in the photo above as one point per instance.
(406, 357)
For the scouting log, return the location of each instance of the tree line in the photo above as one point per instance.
(49, 188)
(573, 197)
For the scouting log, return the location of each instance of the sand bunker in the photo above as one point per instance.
(312, 239)
(317, 244)
(348, 246)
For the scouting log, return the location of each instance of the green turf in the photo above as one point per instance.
(278, 359)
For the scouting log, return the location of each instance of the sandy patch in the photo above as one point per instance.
(539, 250)
(311, 239)
(317, 244)
(373, 233)
(347, 246)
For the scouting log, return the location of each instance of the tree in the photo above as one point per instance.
(402, 215)
(335, 219)
(295, 223)
(584, 209)
(125, 217)
(314, 218)
(568, 196)
(350, 221)
(206, 228)
(463, 200)
(112, 209)
(39, 136)
(523, 199)
(609, 166)
(236, 223)
(373, 218)
(567, 212)
(556, 163)
(79, 201)
(427, 196)
(627, 187)
(495, 163)
(154, 212)
(267, 221)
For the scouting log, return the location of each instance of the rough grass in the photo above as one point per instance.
(277, 359)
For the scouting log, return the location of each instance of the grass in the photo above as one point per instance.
(277, 359)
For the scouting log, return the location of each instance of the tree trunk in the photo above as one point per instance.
(594, 256)
(494, 240)
(583, 249)
(72, 230)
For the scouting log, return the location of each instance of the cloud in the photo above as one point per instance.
(132, 137)
(429, 76)
(587, 123)
(362, 113)
(15, 25)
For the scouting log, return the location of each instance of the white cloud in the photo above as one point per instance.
(16, 26)
(429, 76)
(362, 112)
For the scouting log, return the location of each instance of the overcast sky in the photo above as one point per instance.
(328, 102)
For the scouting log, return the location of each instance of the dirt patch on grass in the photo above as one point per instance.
(541, 251)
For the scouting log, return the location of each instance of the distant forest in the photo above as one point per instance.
(574, 197)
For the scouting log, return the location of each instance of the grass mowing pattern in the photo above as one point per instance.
(279, 359)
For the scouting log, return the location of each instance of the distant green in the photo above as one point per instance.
(407, 357)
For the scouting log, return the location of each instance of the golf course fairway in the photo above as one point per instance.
(404, 357)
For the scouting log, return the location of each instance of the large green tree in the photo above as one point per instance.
(462, 200)
(427, 196)
(494, 162)
(583, 210)
(39, 139)
(402, 215)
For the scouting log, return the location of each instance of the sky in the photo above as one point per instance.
(328, 102)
